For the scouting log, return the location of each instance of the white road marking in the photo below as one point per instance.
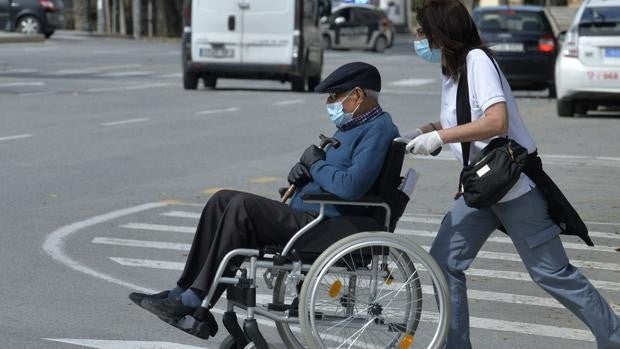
(123, 122)
(54, 245)
(289, 102)
(171, 76)
(128, 88)
(218, 111)
(18, 71)
(142, 243)
(160, 227)
(181, 214)
(148, 263)
(412, 82)
(22, 83)
(125, 74)
(93, 70)
(116, 344)
(30, 94)
(503, 240)
(10, 138)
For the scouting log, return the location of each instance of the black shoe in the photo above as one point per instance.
(171, 310)
(137, 297)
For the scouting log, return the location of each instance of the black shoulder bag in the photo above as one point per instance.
(496, 168)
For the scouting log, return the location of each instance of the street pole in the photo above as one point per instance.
(137, 19)
(100, 17)
(121, 18)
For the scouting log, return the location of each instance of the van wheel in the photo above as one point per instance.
(313, 82)
(380, 44)
(327, 42)
(565, 108)
(190, 81)
(209, 81)
(298, 84)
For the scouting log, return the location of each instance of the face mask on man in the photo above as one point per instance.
(424, 50)
(337, 114)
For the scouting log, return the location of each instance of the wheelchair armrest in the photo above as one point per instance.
(336, 200)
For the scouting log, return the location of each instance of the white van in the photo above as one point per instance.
(253, 39)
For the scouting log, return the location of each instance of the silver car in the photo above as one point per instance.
(587, 70)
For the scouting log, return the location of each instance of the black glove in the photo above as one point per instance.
(312, 155)
(299, 175)
(282, 191)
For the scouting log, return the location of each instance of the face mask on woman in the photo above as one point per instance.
(424, 50)
(337, 114)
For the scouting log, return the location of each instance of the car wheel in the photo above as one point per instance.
(28, 25)
(190, 81)
(380, 44)
(327, 42)
(565, 108)
(298, 83)
(209, 81)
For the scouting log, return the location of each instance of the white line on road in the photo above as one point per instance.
(148, 263)
(119, 344)
(93, 70)
(502, 240)
(289, 102)
(412, 82)
(160, 227)
(142, 243)
(125, 74)
(218, 111)
(181, 214)
(123, 122)
(23, 83)
(129, 88)
(31, 94)
(10, 138)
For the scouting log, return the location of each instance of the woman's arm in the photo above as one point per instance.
(494, 123)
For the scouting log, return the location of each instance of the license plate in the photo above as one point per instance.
(217, 52)
(612, 52)
(603, 75)
(508, 47)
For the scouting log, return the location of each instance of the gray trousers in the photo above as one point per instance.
(464, 230)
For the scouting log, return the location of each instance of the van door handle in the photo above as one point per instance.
(244, 5)
(231, 23)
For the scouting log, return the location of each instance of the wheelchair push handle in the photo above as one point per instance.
(325, 143)
(405, 141)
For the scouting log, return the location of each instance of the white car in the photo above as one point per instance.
(587, 70)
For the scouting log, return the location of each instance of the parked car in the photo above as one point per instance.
(357, 26)
(588, 68)
(275, 39)
(32, 16)
(524, 41)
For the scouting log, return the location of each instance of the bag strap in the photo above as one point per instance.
(463, 108)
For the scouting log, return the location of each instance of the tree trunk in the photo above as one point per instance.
(167, 18)
(80, 15)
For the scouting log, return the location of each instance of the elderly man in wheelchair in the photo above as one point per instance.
(340, 278)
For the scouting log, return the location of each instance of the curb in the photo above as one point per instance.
(12, 38)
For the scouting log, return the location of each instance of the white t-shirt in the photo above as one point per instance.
(485, 90)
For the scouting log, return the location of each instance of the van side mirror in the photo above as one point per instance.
(340, 20)
(562, 36)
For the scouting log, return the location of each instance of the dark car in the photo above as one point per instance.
(524, 41)
(32, 16)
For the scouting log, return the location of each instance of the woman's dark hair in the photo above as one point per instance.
(448, 25)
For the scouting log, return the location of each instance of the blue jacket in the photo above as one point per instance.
(352, 169)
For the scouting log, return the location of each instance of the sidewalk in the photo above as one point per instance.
(11, 38)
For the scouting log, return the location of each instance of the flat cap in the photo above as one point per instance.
(350, 75)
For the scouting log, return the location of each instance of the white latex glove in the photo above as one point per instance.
(412, 134)
(425, 144)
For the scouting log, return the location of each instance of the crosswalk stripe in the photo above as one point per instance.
(472, 294)
(160, 227)
(503, 240)
(181, 214)
(141, 243)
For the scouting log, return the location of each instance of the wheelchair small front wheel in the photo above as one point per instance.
(374, 290)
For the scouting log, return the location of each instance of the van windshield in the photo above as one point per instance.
(600, 21)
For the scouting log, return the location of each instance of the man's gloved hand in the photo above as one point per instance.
(282, 191)
(299, 175)
(425, 144)
(311, 155)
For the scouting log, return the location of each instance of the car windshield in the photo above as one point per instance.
(512, 21)
(600, 21)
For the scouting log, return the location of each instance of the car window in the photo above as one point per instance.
(511, 21)
(600, 21)
(364, 15)
(346, 13)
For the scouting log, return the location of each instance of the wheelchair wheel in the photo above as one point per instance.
(281, 295)
(374, 290)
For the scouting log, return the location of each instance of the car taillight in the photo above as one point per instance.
(47, 5)
(546, 44)
(187, 13)
(571, 49)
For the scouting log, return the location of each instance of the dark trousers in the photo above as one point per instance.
(230, 220)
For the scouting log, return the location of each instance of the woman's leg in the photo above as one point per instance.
(535, 237)
(460, 237)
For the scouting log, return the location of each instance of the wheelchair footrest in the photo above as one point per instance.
(200, 329)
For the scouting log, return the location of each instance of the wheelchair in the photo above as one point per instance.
(340, 282)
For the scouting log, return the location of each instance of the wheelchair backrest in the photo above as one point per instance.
(386, 185)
